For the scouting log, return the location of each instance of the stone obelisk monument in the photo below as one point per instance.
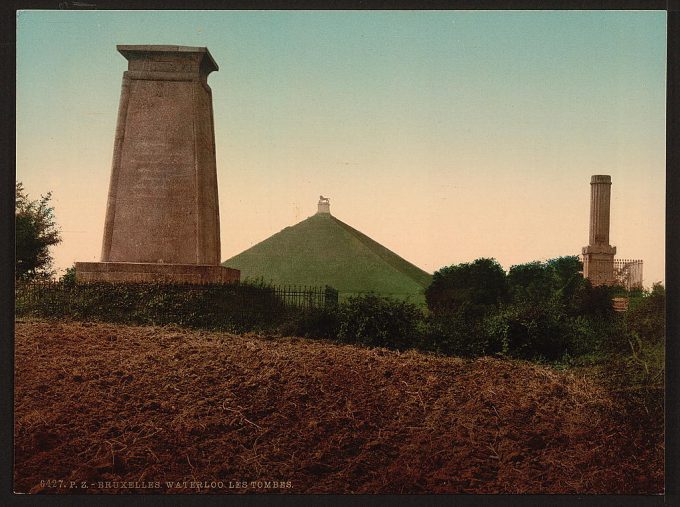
(598, 256)
(162, 218)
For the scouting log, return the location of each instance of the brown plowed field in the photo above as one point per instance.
(150, 410)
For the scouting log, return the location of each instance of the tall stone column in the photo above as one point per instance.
(162, 216)
(598, 256)
(600, 194)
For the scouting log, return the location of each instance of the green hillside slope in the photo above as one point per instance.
(322, 250)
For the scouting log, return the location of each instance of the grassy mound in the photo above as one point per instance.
(322, 250)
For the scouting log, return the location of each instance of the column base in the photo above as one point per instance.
(598, 264)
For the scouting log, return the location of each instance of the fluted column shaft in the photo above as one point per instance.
(600, 194)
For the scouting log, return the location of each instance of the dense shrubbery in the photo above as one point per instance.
(313, 323)
(539, 311)
(643, 315)
(377, 321)
(238, 307)
(368, 320)
(526, 330)
(457, 333)
(635, 367)
(546, 311)
(478, 287)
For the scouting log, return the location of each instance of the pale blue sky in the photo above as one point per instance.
(446, 136)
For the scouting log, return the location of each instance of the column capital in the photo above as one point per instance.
(600, 179)
(170, 59)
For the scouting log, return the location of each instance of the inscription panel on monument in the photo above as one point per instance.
(157, 214)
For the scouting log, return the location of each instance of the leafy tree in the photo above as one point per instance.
(551, 311)
(532, 281)
(478, 286)
(568, 273)
(36, 232)
(557, 278)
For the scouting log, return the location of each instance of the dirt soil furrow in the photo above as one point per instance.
(123, 409)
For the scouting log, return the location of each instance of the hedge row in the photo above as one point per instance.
(522, 329)
(239, 307)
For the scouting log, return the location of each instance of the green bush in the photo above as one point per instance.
(313, 323)
(380, 322)
(536, 281)
(532, 281)
(636, 365)
(540, 310)
(587, 336)
(478, 286)
(69, 276)
(530, 331)
(567, 276)
(545, 332)
(593, 302)
(35, 232)
(645, 317)
(457, 333)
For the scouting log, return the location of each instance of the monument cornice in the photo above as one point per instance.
(130, 50)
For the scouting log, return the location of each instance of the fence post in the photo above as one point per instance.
(330, 296)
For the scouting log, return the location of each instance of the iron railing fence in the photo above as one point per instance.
(624, 272)
(304, 296)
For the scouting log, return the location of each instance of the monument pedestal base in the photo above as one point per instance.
(154, 273)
